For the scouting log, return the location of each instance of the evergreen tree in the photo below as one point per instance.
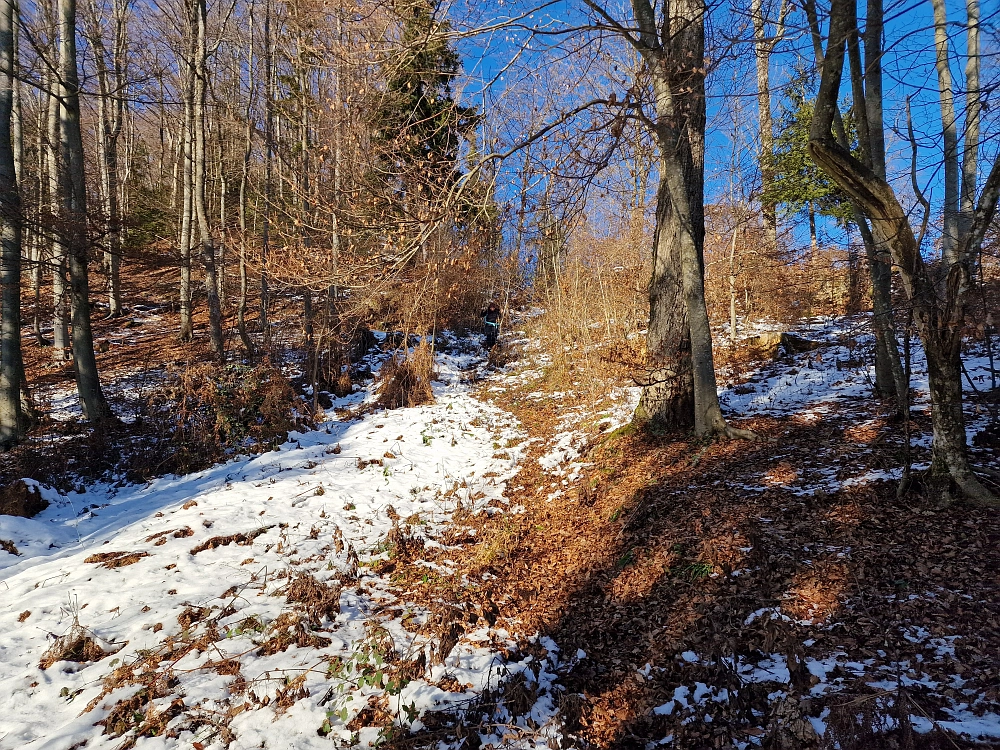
(799, 185)
(420, 126)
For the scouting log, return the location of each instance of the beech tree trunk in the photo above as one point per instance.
(198, 18)
(241, 309)
(60, 320)
(11, 365)
(268, 172)
(74, 220)
(187, 200)
(111, 116)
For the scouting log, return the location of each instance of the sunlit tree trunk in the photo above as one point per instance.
(74, 219)
(186, 138)
(763, 48)
(265, 239)
(198, 19)
(241, 309)
(60, 319)
(111, 116)
(673, 48)
(11, 364)
(938, 310)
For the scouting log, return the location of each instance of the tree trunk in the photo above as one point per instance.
(763, 47)
(268, 172)
(668, 394)
(949, 133)
(37, 240)
(198, 17)
(110, 118)
(890, 378)
(938, 320)
(60, 319)
(732, 286)
(11, 365)
(674, 52)
(241, 310)
(74, 220)
(813, 240)
(187, 202)
(973, 114)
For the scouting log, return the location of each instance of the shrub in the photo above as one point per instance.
(206, 411)
(406, 380)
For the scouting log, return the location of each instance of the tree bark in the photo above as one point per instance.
(949, 133)
(667, 400)
(763, 48)
(241, 310)
(111, 115)
(265, 239)
(187, 199)
(60, 320)
(74, 220)
(11, 364)
(674, 52)
(938, 320)
(198, 18)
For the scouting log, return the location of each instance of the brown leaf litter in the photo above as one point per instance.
(111, 560)
(243, 539)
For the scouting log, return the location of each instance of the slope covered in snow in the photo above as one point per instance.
(252, 604)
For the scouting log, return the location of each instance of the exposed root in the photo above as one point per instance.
(976, 492)
(735, 433)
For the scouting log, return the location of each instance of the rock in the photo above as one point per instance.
(21, 499)
(770, 344)
(793, 344)
(363, 342)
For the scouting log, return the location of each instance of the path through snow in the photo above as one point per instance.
(248, 609)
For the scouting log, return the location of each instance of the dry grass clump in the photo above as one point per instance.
(319, 600)
(406, 380)
(76, 645)
(289, 629)
(139, 715)
(241, 539)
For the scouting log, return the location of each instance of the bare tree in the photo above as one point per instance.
(938, 300)
(11, 364)
(111, 83)
(672, 46)
(764, 45)
(73, 221)
(197, 18)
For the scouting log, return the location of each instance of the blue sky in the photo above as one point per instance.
(544, 76)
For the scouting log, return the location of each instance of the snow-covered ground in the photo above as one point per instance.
(243, 605)
(252, 605)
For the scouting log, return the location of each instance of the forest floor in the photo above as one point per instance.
(515, 566)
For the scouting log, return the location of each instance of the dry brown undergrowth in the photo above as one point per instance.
(406, 379)
(77, 645)
(111, 560)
